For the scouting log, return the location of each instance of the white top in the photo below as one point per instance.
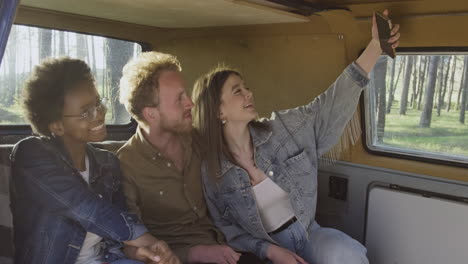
(90, 252)
(273, 204)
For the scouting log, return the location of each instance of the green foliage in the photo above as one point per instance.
(446, 135)
(12, 115)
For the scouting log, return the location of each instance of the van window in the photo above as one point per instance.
(27, 46)
(417, 104)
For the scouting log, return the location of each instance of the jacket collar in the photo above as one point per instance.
(259, 136)
(96, 163)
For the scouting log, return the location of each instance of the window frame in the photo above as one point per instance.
(26, 130)
(393, 152)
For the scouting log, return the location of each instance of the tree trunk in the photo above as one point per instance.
(419, 81)
(426, 114)
(61, 43)
(462, 84)
(443, 87)
(93, 55)
(439, 82)
(12, 79)
(415, 82)
(81, 50)
(464, 91)
(392, 83)
(393, 88)
(452, 81)
(30, 36)
(379, 79)
(118, 53)
(45, 44)
(423, 80)
(406, 83)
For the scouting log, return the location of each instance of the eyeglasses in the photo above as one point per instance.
(91, 113)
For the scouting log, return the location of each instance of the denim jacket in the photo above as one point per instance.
(53, 207)
(288, 153)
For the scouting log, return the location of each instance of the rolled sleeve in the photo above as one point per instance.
(261, 248)
(357, 74)
(137, 228)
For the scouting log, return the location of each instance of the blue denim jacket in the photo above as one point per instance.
(53, 207)
(288, 153)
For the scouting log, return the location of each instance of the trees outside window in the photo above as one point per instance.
(28, 46)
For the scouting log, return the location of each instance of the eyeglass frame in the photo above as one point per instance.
(101, 105)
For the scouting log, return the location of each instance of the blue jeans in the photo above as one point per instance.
(322, 245)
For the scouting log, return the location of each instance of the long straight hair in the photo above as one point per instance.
(206, 96)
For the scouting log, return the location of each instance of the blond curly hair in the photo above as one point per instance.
(139, 82)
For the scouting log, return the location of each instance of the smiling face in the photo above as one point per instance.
(174, 104)
(75, 129)
(237, 102)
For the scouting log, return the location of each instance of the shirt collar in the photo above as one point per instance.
(150, 151)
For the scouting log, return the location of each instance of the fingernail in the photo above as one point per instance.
(156, 258)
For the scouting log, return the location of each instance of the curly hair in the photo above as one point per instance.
(139, 82)
(45, 89)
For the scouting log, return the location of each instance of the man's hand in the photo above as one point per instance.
(213, 254)
(161, 249)
(279, 255)
(143, 254)
(158, 253)
(148, 249)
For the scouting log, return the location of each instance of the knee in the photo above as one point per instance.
(337, 247)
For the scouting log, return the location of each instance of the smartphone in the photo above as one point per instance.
(384, 27)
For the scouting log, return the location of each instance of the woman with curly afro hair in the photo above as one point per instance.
(67, 201)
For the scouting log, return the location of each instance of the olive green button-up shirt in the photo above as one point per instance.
(170, 202)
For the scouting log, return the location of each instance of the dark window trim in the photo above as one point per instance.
(409, 156)
(20, 130)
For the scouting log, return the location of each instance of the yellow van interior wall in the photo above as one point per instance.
(286, 65)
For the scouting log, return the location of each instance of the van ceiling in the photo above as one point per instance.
(211, 13)
(175, 13)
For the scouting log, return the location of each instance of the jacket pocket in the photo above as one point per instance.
(299, 164)
(302, 172)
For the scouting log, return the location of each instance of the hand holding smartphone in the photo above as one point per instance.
(384, 27)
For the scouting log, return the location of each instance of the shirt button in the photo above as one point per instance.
(100, 196)
(271, 173)
(154, 158)
(195, 208)
(161, 192)
(169, 164)
(159, 154)
(185, 185)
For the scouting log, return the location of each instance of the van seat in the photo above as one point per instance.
(6, 222)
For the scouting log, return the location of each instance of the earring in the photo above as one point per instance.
(223, 121)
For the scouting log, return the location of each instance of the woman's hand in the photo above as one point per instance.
(395, 31)
(373, 51)
(279, 255)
